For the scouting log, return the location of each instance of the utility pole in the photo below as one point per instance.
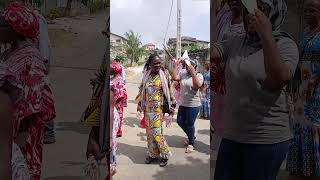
(178, 50)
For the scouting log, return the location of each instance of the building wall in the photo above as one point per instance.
(186, 42)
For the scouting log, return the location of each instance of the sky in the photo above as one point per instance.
(149, 18)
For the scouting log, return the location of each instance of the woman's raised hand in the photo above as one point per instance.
(262, 24)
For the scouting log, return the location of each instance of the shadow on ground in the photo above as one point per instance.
(195, 169)
(73, 126)
(137, 154)
(131, 122)
(65, 178)
(204, 131)
(177, 142)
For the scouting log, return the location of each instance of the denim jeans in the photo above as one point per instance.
(49, 129)
(237, 161)
(186, 118)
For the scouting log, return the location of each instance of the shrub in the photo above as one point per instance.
(96, 6)
(55, 13)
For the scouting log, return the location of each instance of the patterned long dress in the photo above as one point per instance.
(23, 74)
(157, 143)
(120, 96)
(304, 153)
(116, 124)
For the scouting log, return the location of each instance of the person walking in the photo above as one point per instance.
(121, 93)
(205, 94)
(258, 67)
(304, 153)
(190, 82)
(43, 45)
(26, 94)
(155, 94)
(124, 75)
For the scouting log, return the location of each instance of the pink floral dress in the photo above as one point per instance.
(23, 76)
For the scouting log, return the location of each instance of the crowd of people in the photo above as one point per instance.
(265, 92)
(265, 89)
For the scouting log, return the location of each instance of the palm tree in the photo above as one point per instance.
(134, 47)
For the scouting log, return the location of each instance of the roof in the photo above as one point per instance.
(149, 44)
(119, 36)
(188, 39)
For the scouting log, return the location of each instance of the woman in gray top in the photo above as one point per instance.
(190, 83)
(259, 65)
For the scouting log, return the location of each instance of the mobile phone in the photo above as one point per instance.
(250, 5)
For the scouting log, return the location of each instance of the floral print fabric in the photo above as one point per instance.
(157, 145)
(24, 69)
(304, 153)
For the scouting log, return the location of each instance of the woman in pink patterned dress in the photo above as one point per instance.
(26, 98)
(120, 93)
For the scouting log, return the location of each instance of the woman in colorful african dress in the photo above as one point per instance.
(154, 88)
(26, 97)
(121, 93)
(304, 153)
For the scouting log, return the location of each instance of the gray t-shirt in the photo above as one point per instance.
(252, 114)
(189, 97)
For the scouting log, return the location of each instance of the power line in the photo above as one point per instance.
(165, 36)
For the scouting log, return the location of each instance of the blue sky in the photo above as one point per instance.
(149, 18)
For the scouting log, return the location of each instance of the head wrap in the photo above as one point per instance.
(116, 67)
(277, 16)
(22, 20)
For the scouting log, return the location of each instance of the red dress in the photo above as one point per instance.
(120, 96)
(143, 123)
(23, 76)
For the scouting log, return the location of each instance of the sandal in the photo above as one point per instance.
(149, 160)
(112, 173)
(189, 149)
(186, 142)
(163, 162)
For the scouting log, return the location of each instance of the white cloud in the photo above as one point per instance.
(150, 18)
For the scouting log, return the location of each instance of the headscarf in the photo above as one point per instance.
(22, 20)
(116, 67)
(278, 13)
(277, 16)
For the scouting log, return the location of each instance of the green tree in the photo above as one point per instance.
(193, 48)
(134, 47)
(123, 59)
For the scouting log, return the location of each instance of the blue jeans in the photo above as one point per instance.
(49, 129)
(186, 118)
(237, 161)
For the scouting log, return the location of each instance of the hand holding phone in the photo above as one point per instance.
(250, 5)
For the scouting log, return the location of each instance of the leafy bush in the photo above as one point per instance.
(55, 13)
(96, 6)
(122, 58)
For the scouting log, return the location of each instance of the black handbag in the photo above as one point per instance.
(165, 106)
